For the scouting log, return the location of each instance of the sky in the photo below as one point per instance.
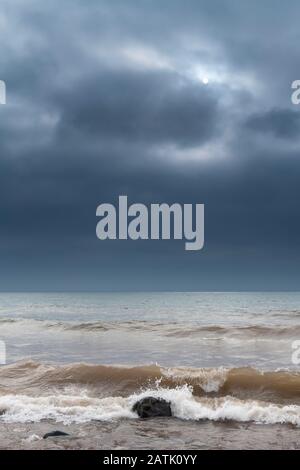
(163, 101)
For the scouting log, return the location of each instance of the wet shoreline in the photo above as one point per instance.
(162, 433)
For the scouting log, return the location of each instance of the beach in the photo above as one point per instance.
(78, 363)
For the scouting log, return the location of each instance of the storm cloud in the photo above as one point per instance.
(183, 102)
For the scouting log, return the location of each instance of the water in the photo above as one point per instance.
(80, 359)
(254, 329)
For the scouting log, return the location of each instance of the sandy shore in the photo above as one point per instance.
(151, 434)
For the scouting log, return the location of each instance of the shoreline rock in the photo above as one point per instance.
(55, 434)
(151, 407)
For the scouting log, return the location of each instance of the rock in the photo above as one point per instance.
(152, 407)
(55, 434)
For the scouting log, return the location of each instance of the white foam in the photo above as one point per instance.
(32, 438)
(210, 380)
(63, 408)
(185, 406)
(82, 408)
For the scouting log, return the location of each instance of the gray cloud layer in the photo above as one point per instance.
(107, 98)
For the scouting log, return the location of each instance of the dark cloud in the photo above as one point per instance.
(283, 123)
(152, 107)
(107, 98)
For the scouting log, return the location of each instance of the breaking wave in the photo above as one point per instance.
(82, 408)
(32, 391)
(125, 379)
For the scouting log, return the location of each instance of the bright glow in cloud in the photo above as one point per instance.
(146, 57)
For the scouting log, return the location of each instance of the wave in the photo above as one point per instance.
(164, 329)
(252, 331)
(81, 408)
(32, 391)
(241, 382)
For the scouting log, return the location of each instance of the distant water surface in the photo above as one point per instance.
(195, 329)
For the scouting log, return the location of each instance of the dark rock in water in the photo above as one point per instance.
(152, 407)
(2, 412)
(55, 434)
